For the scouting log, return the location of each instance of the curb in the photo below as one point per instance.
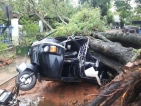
(8, 80)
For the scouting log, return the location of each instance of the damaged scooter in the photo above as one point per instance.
(59, 59)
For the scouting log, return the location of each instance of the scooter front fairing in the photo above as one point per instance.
(48, 57)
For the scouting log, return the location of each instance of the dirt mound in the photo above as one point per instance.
(62, 94)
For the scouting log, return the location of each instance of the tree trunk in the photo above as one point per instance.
(44, 21)
(132, 39)
(115, 65)
(113, 50)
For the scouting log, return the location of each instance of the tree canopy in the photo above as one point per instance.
(123, 7)
(45, 10)
(103, 4)
(137, 10)
(82, 21)
(61, 14)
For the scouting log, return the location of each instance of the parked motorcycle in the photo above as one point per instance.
(59, 59)
(8, 98)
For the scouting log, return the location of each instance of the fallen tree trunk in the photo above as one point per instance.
(115, 89)
(132, 39)
(113, 50)
(111, 63)
(110, 50)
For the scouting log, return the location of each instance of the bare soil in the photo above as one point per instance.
(63, 94)
(8, 71)
(52, 93)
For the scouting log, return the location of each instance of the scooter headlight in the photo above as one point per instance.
(53, 49)
(46, 48)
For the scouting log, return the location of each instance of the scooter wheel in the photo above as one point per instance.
(29, 83)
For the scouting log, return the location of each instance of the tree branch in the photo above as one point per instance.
(45, 23)
(3, 19)
(61, 19)
(100, 36)
(58, 14)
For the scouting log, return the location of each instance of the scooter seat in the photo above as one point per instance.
(71, 60)
(71, 54)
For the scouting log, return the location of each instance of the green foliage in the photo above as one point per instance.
(135, 14)
(110, 17)
(124, 8)
(136, 18)
(1, 21)
(50, 8)
(122, 22)
(137, 53)
(30, 29)
(103, 4)
(82, 21)
(137, 11)
(95, 3)
(52, 12)
(1, 17)
(2, 47)
(49, 11)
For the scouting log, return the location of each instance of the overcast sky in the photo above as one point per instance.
(133, 4)
(74, 2)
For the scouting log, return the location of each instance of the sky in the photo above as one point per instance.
(74, 2)
(133, 4)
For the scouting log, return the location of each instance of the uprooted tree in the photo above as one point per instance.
(111, 47)
(114, 50)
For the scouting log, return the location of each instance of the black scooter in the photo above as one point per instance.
(59, 59)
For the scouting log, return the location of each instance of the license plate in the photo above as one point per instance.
(22, 67)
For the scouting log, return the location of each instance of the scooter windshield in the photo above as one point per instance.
(45, 40)
(52, 40)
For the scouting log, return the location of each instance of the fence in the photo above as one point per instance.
(5, 34)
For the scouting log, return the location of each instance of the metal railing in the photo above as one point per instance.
(5, 34)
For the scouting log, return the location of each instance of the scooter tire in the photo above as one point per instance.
(28, 86)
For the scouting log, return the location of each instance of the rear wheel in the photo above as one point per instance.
(26, 84)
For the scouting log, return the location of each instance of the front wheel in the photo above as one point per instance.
(28, 83)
